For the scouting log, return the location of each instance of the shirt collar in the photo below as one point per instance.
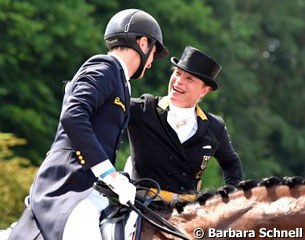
(125, 69)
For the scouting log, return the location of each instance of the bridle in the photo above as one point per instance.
(141, 206)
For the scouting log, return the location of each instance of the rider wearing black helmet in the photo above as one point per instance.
(95, 113)
(127, 26)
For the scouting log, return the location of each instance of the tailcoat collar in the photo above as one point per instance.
(164, 104)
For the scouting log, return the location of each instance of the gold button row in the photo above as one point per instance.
(80, 157)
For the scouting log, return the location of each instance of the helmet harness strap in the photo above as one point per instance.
(132, 42)
(143, 56)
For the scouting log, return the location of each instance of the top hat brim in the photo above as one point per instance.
(206, 79)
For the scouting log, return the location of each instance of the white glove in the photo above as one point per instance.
(121, 186)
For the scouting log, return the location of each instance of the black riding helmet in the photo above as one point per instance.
(126, 26)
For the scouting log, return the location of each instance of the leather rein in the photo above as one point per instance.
(142, 209)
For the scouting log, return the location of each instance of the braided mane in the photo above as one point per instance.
(245, 185)
(270, 203)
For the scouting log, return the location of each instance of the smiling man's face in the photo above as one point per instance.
(185, 90)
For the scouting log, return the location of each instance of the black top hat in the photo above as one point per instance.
(198, 64)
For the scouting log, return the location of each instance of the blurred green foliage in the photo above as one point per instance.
(261, 49)
(16, 177)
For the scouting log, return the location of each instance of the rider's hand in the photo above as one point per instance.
(121, 186)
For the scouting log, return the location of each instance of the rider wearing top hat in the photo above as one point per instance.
(180, 137)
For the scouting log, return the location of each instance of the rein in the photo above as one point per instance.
(142, 209)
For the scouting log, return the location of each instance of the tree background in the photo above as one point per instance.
(261, 49)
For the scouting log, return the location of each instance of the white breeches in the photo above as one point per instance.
(83, 222)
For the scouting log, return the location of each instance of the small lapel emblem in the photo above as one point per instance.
(117, 101)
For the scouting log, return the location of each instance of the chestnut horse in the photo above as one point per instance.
(270, 209)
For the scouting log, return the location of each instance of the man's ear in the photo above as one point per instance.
(143, 43)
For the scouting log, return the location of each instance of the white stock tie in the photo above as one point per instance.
(183, 121)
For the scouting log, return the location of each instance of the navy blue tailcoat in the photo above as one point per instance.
(94, 115)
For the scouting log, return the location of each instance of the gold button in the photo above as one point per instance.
(80, 157)
(82, 162)
(77, 153)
